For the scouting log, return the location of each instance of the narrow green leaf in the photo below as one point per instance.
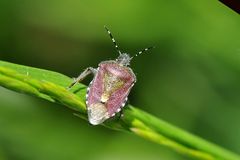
(52, 86)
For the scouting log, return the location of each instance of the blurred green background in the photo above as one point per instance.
(191, 79)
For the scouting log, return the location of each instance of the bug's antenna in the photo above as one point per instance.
(113, 40)
(142, 51)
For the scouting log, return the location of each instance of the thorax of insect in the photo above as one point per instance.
(108, 92)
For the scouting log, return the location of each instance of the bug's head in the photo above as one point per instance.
(124, 59)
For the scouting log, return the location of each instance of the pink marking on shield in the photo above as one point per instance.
(118, 96)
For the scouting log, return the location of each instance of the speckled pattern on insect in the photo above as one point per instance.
(108, 92)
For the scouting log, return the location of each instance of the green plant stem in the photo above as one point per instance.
(51, 86)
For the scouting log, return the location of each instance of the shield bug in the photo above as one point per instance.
(108, 91)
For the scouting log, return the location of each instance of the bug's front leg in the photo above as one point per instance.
(83, 75)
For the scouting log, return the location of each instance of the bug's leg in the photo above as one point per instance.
(83, 75)
(121, 114)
